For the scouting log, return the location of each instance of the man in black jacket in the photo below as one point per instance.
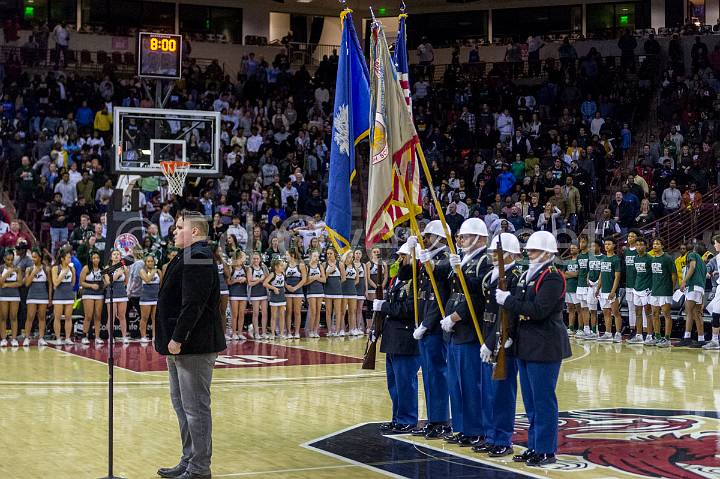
(403, 354)
(190, 333)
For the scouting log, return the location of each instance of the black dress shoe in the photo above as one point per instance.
(421, 431)
(438, 431)
(403, 428)
(387, 426)
(171, 472)
(455, 439)
(524, 456)
(483, 447)
(500, 451)
(541, 460)
(683, 343)
(469, 441)
(190, 475)
(697, 344)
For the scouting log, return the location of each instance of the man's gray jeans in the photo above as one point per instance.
(190, 378)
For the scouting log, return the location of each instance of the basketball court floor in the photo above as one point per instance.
(305, 409)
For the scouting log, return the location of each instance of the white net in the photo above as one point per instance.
(175, 173)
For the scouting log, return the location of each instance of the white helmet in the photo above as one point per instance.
(542, 241)
(473, 226)
(435, 227)
(510, 243)
(404, 249)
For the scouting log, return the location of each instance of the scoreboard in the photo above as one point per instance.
(159, 55)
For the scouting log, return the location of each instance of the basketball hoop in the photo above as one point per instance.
(175, 173)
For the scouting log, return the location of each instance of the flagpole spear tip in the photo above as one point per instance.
(372, 14)
(402, 6)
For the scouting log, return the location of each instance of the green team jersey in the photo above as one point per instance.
(643, 272)
(582, 260)
(594, 267)
(609, 265)
(700, 273)
(571, 267)
(663, 268)
(630, 254)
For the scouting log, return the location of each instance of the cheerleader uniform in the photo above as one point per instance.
(292, 278)
(64, 293)
(10, 294)
(277, 299)
(150, 290)
(373, 274)
(333, 285)
(360, 286)
(348, 286)
(257, 292)
(94, 277)
(119, 290)
(38, 290)
(238, 292)
(221, 275)
(314, 289)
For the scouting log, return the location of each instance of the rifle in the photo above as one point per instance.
(376, 331)
(499, 356)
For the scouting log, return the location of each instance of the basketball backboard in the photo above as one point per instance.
(143, 137)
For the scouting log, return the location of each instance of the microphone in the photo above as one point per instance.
(114, 267)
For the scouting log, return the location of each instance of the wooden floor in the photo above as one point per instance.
(279, 410)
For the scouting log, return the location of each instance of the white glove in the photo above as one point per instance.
(377, 304)
(501, 296)
(485, 354)
(424, 256)
(411, 242)
(508, 343)
(447, 324)
(455, 260)
(419, 332)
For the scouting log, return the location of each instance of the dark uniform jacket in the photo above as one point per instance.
(430, 313)
(541, 334)
(473, 270)
(188, 303)
(397, 334)
(490, 320)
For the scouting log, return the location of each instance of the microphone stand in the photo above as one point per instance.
(111, 366)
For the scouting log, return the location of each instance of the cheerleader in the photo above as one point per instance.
(91, 280)
(10, 282)
(151, 277)
(171, 253)
(349, 291)
(295, 276)
(360, 289)
(119, 295)
(275, 285)
(238, 295)
(223, 275)
(63, 298)
(373, 268)
(314, 283)
(334, 276)
(258, 295)
(38, 297)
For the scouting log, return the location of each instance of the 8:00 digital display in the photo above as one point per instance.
(159, 55)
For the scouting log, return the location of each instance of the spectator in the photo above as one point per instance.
(622, 212)
(11, 237)
(62, 42)
(607, 227)
(82, 232)
(692, 199)
(58, 215)
(671, 198)
(67, 190)
(573, 203)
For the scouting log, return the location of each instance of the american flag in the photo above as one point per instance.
(401, 61)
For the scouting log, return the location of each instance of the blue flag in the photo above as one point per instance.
(401, 60)
(351, 123)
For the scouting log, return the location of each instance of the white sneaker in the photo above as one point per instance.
(42, 342)
(4, 343)
(267, 336)
(234, 337)
(68, 342)
(228, 337)
(711, 346)
(605, 337)
(637, 339)
(663, 343)
(579, 334)
(296, 336)
(126, 340)
(341, 333)
(591, 336)
(241, 337)
(571, 333)
(26, 342)
(617, 338)
(99, 342)
(14, 343)
(650, 341)
(144, 340)
(331, 334)
(85, 341)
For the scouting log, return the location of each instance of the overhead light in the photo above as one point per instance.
(304, 1)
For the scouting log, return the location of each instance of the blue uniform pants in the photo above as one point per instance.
(487, 400)
(402, 385)
(465, 381)
(504, 395)
(433, 357)
(538, 381)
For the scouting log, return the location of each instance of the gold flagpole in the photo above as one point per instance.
(448, 236)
